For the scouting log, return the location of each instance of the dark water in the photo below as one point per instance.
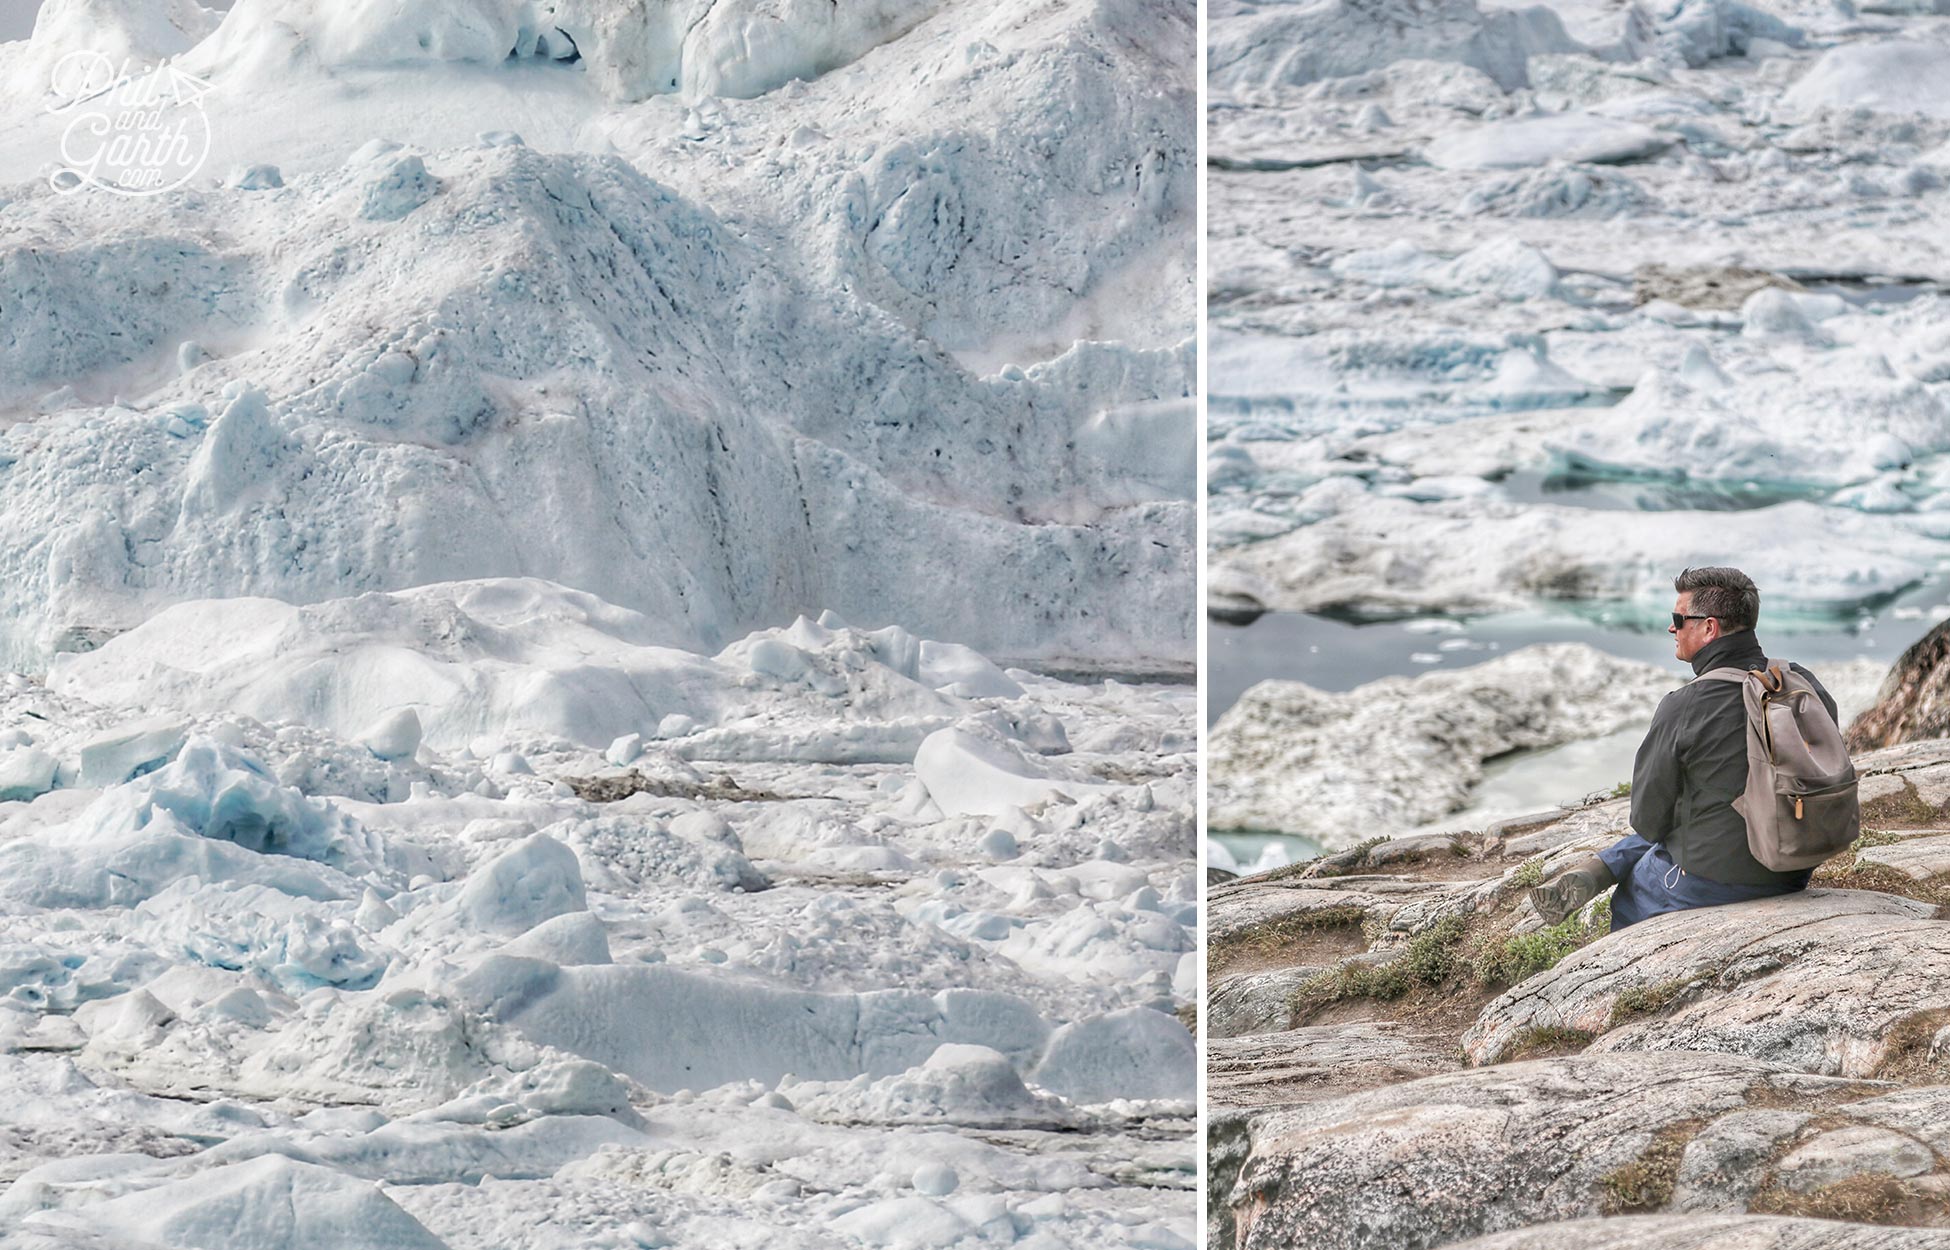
(1340, 655)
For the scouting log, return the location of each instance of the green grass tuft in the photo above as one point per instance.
(1520, 956)
(1429, 959)
(1645, 1000)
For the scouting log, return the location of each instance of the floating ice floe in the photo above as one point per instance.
(1577, 138)
(272, 1201)
(1299, 45)
(1894, 76)
(1339, 768)
(1497, 555)
(1811, 433)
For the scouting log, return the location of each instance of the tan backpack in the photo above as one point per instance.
(1800, 804)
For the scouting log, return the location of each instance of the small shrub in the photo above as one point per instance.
(1907, 1048)
(1621, 790)
(1547, 1039)
(1847, 872)
(1286, 930)
(1645, 1000)
(1376, 981)
(1904, 807)
(1528, 873)
(1428, 960)
(1520, 956)
(1431, 954)
(1874, 1198)
(1646, 1183)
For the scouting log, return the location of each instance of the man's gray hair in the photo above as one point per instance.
(1726, 593)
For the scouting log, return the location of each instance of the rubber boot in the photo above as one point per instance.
(1571, 889)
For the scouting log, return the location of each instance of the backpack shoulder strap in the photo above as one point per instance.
(1738, 676)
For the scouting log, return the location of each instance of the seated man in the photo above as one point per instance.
(1688, 847)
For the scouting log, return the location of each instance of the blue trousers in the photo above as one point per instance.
(1650, 884)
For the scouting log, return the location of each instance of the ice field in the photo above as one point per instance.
(1519, 310)
(597, 613)
(1693, 247)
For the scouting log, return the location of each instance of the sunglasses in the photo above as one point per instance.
(1679, 619)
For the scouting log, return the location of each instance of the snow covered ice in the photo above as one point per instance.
(1585, 293)
(861, 353)
(597, 991)
(588, 608)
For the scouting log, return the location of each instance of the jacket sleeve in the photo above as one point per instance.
(1656, 774)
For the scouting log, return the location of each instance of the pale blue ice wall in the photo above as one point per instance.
(17, 16)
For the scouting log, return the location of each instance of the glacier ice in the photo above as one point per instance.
(483, 562)
(268, 1201)
(514, 978)
(415, 414)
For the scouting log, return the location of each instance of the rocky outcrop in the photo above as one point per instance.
(1914, 701)
(1444, 1158)
(1255, 1002)
(1818, 980)
(1308, 1064)
(1721, 1232)
(1434, 1161)
(1405, 1056)
(1244, 911)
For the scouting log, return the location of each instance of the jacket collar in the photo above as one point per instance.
(1741, 650)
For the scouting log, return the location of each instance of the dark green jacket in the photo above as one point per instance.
(1693, 765)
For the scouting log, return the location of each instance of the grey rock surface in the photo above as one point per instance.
(1723, 1166)
(1815, 980)
(1717, 1232)
(1858, 1150)
(1254, 1002)
(1917, 858)
(1245, 909)
(1320, 1061)
(1598, 825)
(1922, 1112)
(1430, 1162)
(1410, 849)
(1239, 909)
